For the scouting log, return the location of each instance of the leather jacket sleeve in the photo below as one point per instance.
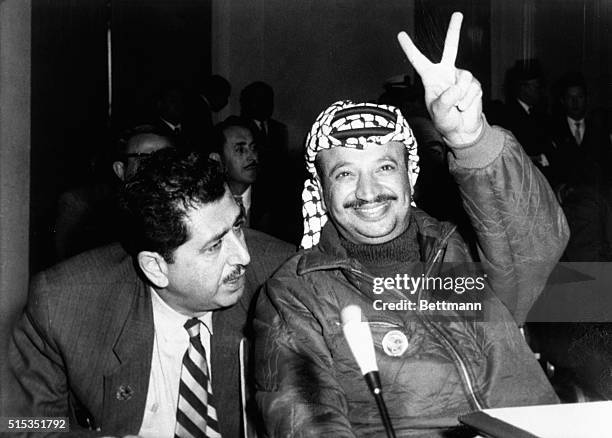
(297, 391)
(520, 227)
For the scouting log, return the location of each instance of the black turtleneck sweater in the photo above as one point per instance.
(397, 256)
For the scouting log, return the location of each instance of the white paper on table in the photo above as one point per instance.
(571, 420)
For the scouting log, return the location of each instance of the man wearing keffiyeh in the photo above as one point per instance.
(360, 227)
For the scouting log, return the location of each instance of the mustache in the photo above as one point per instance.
(358, 203)
(235, 274)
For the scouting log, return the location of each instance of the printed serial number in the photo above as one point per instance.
(34, 424)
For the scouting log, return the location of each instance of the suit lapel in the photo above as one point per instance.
(125, 389)
(227, 332)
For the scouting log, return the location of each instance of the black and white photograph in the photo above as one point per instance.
(306, 218)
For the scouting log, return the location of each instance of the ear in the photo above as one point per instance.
(317, 181)
(154, 267)
(215, 156)
(119, 169)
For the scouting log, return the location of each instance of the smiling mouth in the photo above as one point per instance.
(372, 211)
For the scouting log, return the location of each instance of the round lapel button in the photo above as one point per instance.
(395, 343)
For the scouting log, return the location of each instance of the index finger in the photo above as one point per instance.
(414, 55)
(451, 43)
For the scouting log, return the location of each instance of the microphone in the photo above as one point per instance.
(359, 338)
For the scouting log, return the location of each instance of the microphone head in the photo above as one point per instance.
(351, 313)
(359, 338)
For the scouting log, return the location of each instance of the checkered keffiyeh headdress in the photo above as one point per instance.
(351, 125)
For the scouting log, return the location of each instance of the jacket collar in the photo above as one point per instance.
(330, 254)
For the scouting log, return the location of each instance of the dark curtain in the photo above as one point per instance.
(69, 107)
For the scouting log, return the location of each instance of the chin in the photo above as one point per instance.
(377, 233)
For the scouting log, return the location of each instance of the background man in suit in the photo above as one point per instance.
(86, 216)
(235, 149)
(525, 112)
(278, 163)
(582, 155)
(581, 140)
(170, 112)
(106, 338)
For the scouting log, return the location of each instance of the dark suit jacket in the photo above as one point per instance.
(274, 212)
(198, 124)
(584, 163)
(532, 132)
(84, 344)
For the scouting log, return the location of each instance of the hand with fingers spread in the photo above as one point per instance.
(453, 96)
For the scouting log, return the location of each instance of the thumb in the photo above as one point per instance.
(446, 102)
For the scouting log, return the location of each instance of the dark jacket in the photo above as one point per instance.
(308, 382)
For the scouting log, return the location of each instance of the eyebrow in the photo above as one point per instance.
(337, 166)
(223, 232)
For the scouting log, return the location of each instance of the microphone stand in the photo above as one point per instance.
(373, 380)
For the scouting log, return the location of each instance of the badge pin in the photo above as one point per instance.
(124, 392)
(395, 343)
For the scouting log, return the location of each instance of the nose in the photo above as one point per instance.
(367, 187)
(238, 251)
(252, 154)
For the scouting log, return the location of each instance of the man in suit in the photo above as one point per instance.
(581, 158)
(237, 150)
(170, 112)
(257, 105)
(234, 147)
(86, 216)
(107, 339)
(524, 113)
(277, 161)
(581, 140)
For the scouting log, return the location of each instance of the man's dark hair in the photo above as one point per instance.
(217, 84)
(257, 101)
(156, 200)
(255, 90)
(218, 138)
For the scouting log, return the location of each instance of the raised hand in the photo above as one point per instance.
(453, 97)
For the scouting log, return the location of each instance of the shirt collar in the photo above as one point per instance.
(169, 322)
(173, 127)
(572, 122)
(526, 107)
(246, 197)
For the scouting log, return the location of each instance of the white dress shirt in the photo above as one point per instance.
(170, 343)
(262, 125)
(175, 128)
(579, 136)
(526, 107)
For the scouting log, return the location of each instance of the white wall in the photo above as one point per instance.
(311, 52)
(14, 164)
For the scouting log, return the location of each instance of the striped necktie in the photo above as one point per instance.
(243, 211)
(195, 415)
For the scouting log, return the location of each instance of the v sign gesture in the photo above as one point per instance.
(453, 97)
